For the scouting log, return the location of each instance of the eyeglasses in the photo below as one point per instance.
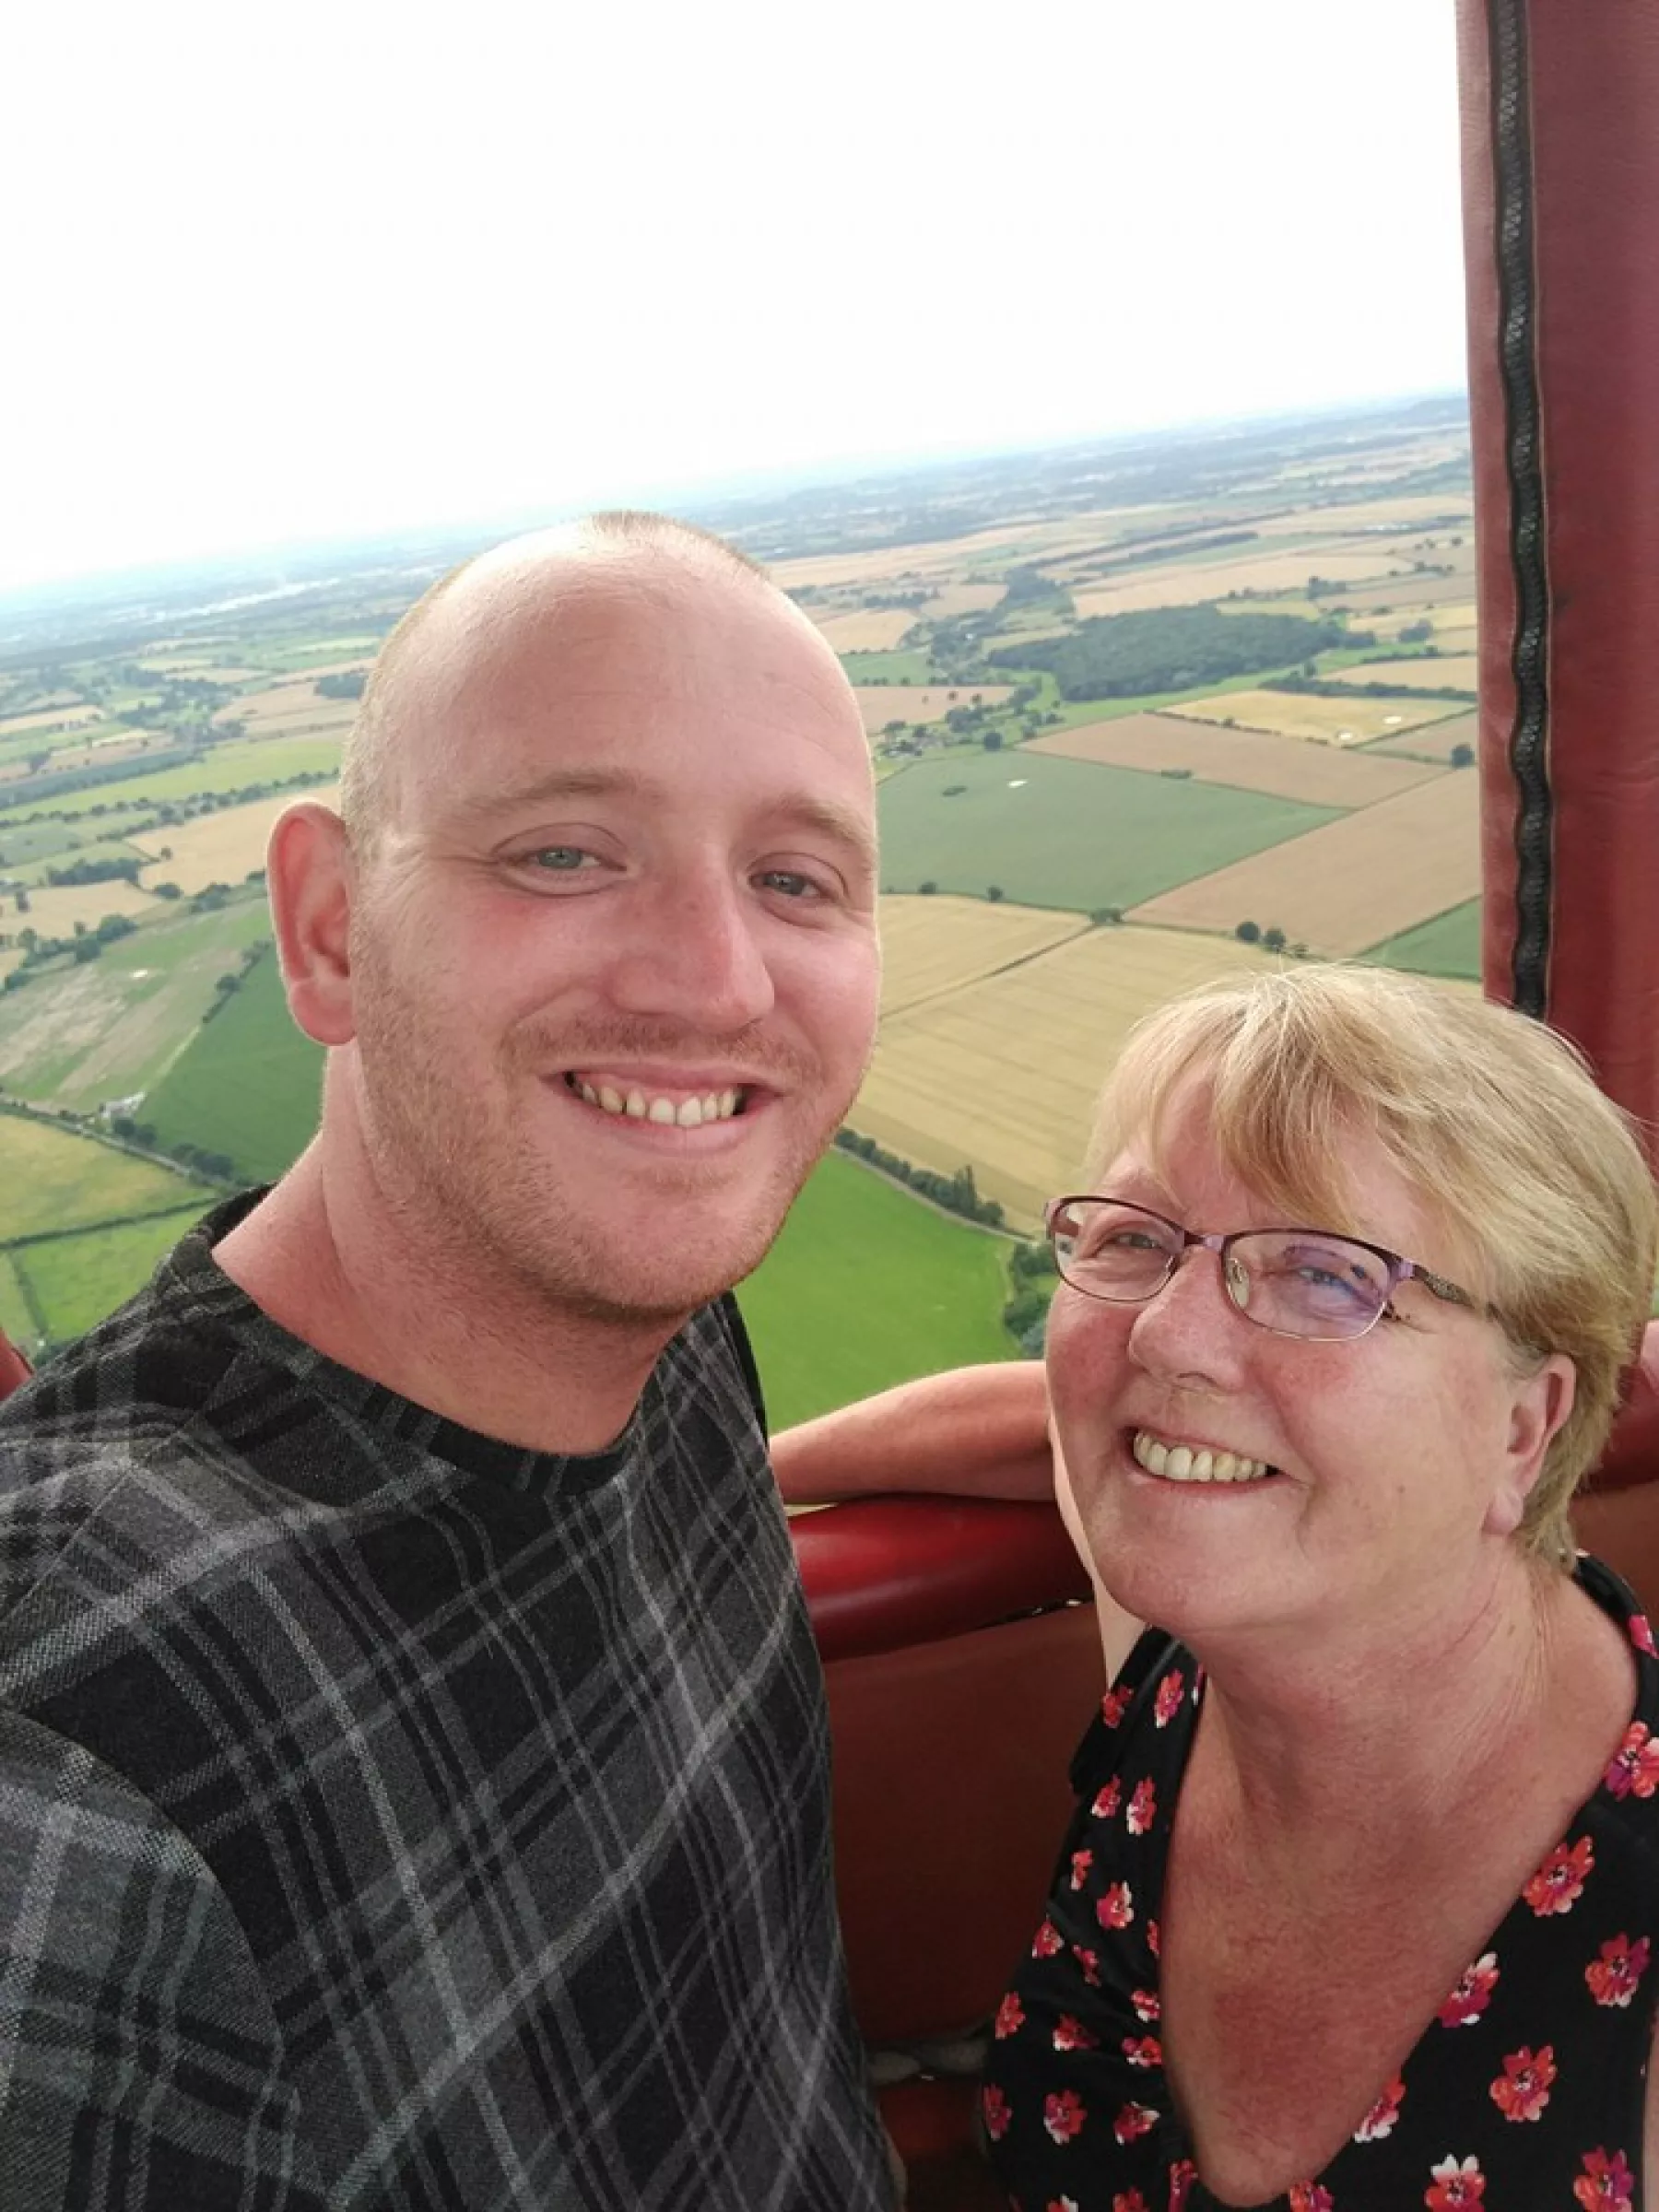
(1296, 1282)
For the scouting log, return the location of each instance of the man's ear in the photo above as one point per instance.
(311, 877)
(1538, 1410)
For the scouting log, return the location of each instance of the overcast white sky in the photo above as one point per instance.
(297, 270)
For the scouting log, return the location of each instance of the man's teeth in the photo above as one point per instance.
(687, 1114)
(1186, 1463)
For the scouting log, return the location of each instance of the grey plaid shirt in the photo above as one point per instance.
(390, 1817)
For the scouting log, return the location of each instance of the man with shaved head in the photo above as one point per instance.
(413, 1777)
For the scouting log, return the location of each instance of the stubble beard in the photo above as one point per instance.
(474, 1199)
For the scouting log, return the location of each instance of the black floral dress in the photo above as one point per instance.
(1524, 2092)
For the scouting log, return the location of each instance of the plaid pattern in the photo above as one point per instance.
(390, 1817)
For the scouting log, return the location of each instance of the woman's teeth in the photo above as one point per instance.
(1185, 1462)
(638, 1106)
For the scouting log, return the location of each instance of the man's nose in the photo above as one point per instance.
(697, 958)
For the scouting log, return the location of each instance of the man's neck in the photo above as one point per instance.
(448, 1334)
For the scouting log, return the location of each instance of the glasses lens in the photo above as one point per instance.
(1303, 1284)
(1113, 1251)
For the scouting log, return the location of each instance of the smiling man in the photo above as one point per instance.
(413, 1780)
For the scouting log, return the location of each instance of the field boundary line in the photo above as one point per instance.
(1023, 959)
(87, 1229)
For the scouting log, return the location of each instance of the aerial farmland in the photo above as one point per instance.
(1125, 743)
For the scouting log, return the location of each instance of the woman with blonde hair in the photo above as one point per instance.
(1357, 1905)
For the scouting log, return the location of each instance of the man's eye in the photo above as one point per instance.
(558, 860)
(791, 882)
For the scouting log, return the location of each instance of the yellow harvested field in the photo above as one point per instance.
(1456, 640)
(1437, 741)
(1446, 672)
(866, 629)
(309, 676)
(1169, 584)
(1003, 1073)
(288, 710)
(930, 945)
(1373, 514)
(1347, 885)
(224, 847)
(1418, 593)
(1248, 759)
(1455, 614)
(49, 718)
(961, 599)
(882, 704)
(54, 908)
(1307, 716)
(943, 558)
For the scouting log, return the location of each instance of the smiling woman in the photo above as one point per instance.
(1323, 1467)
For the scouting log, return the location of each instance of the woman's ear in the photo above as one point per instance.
(1538, 1410)
(310, 874)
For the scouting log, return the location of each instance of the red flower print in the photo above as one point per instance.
(1142, 1807)
(1521, 2090)
(1182, 2174)
(1071, 2035)
(1473, 1994)
(1082, 1863)
(1635, 1765)
(995, 2106)
(1456, 2183)
(1010, 2014)
(1310, 2196)
(1154, 1940)
(1559, 1882)
(1108, 1800)
(1145, 2003)
(1115, 1704)
(1641, 1636)
(1128, 2200)
(1379, 2122)
(1064, 2114)
(1090, 1963)
(1133, 2120)
(1614, 1976)
(1116, 1909)
(1143, 2050)
(1046, 1941)
(1061, 2203)
(1607, 2184)
(1167, 1703)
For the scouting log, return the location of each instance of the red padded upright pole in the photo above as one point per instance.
(1561, 231)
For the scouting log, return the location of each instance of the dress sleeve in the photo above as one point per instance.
(141, 2069)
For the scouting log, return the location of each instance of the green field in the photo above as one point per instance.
(16, 1319)
(54, 1178)
(902, 666)
(866, 1287)
(78, 1037)
(1069, 833)
(228, 765)
(76, 1280)
(1450, 945)
(248, 1085)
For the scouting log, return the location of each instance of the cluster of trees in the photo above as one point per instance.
(171, 812)
(1351, 684)
(116, 868)
(84, 945)
(1271, 939)
(347, 683)
(1030, 587)
(214, 1167)
(1033, 1275)
(226, 986)
(955, 1193)
(1170, 649)
(1150, 546)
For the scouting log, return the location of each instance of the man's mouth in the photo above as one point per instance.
(1176, 1462)
(678, 1109)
